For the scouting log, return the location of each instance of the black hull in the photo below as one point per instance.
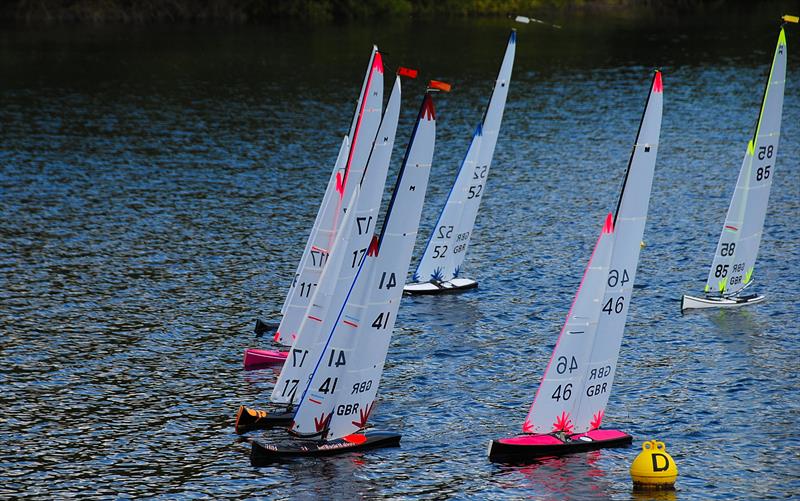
(501, 452)
(263, 453)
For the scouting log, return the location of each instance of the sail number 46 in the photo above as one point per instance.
(613, 306)
(561, 365)
(564, 393)
(614, 278)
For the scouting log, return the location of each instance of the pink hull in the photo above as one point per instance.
(532, 446)
(594, 435)
(255, 358)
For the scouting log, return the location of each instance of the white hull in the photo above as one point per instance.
(454, 285)
(692, 302)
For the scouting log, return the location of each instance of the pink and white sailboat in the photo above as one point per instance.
(354, 154)
(569, 406)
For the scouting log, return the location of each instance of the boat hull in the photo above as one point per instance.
(525, 447)
(252, 419)
(428, 288)
(692, 302)
(255, 358)
(265, 453)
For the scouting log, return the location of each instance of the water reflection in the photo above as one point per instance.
(558, 477)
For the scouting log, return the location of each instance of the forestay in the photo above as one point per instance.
(341, 394)
(556, 399)
(337, 276)
(447, 246)
(735, 257)
(317, 256)
(351, 165)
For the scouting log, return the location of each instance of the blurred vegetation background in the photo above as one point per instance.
(322, 11)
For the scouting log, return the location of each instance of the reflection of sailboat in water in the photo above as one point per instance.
(738, 327)
(569, 406)
(565, 477)
(339, 474)
(448, 311)
(731, 270)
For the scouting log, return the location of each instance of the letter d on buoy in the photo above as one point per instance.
(653, 468)
(658, 456)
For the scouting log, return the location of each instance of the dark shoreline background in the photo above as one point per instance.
(144, 12)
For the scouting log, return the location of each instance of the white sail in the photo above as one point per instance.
(316, 257)
(341, 393)
(557, 397)
(735, 257)
(438, 261)
(629, 224)
(351, 248)
(574, 391)
(362, 134)
(447, 246)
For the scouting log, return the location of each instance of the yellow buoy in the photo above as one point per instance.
(653, 468)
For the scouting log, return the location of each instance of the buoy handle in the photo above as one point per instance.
(654, 444)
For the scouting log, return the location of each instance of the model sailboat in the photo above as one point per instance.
(361, 213)
(732, 268)
(333, 377)
(569, 405)
(439, 269)
(351, 163)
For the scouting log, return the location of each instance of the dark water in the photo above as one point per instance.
(156, 190)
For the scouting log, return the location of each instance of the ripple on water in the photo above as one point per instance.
(152, 207)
